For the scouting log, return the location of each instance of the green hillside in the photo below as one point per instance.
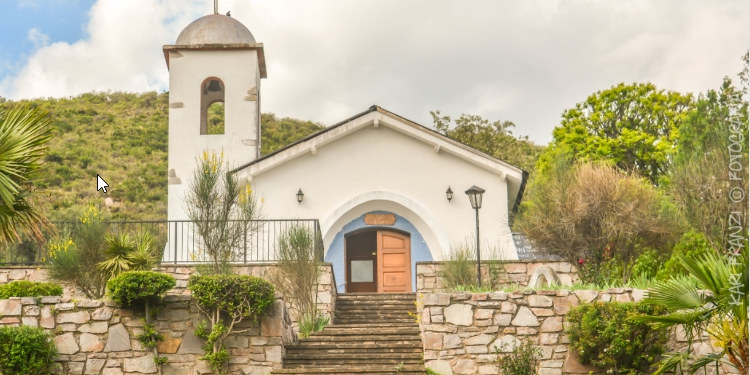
(122, 137)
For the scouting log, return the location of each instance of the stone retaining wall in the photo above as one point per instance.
(95, 337)
(326, 286)
(461, 330)
(517, 273)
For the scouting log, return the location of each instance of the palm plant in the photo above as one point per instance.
(24, 133)
(714, 299)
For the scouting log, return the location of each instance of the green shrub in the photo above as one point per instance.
(519, 359)
(226, 300)
(138, 287)
(604, 337)
(24, 288)
(25, 351)
(692, 245)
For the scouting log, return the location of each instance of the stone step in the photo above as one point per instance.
(387, 347)
(377, 296)
(364, 356)
(348, 363)
(371, 326)
(356, 370)
(323, 340)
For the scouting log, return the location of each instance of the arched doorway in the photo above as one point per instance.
(378, 261)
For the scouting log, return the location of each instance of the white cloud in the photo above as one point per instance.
(37, 37)
(327, 60)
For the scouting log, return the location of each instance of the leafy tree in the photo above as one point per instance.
(632, 126)
(492, 138)
(711, 159)
(593, 213)
(24, 133)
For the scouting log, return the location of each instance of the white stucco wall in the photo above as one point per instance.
(239, 71)
(373, 169)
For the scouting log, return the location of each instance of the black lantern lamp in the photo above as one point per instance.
(449, 194)
(300, 195)
(475, 197)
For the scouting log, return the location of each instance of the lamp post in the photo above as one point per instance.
(475, 197)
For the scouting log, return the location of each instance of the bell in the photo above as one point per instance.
(214, 86)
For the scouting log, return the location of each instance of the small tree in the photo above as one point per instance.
(75, 260)
(518, 359)
(26, 351)
(222, 211)
(226, 300)
(297, 274)
(143, 288)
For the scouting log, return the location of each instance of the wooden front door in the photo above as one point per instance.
(394, 262)
(361, 262)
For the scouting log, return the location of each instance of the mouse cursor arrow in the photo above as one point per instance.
(101, 184)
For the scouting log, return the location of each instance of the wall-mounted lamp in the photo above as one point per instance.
(300, 195)
(449, 194)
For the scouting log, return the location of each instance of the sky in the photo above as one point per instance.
(519, 61)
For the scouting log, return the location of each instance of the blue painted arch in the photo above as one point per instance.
(335, 252)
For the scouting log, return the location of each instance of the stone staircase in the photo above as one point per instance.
(372, 333)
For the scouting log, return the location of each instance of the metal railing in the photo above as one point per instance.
(181, 242)
(527, 251)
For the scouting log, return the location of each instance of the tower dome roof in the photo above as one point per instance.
(215, 29)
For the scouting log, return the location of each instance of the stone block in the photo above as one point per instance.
(191, 344)
(17, 274)
(76, 368)
(270, 326)
(169, 345)
(48, 300)
(586, 295)
(90, 343)
(118, 340)
(622, 298)
(436, 299)
(65, 306)
(47, 319)
(498, 296)
(465, 366)
(94, 366)
(548, 338)
(432, 340)
(542, 312)
(478, 340)
(549, 371)
(525, 318)
(483, 314)
(505, 344)
(515, 267)
(32, 310)
(143, 365)
(477, 349)
(11, 307)
(459, 314)
(563, 304)
(102, 313)
(502, 319)
(488, 370)
(440, 367)
(452, 341)
(95, 327)
(540, 301)
(89, 303)
(78, 317)
(552, 324)
(66, 344)
(605, 297)
(508, 307)
(273, 354)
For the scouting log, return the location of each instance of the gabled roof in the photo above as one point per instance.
(515, 176)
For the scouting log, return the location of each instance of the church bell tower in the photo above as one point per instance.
(215, 68)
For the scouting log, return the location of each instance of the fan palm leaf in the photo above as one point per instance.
(119, 248)
(24, 133)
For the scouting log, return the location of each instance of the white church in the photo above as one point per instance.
(386, 192)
